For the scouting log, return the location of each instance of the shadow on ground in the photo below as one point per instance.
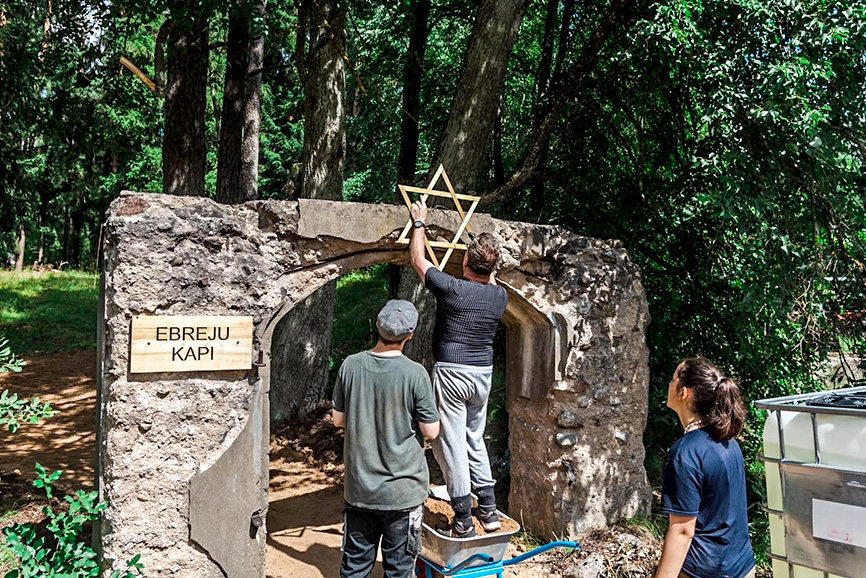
(66, 441)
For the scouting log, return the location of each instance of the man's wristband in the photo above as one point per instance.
(419, 224)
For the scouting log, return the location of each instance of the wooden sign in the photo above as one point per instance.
(187, 343)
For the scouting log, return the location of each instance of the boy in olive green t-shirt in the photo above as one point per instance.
(385, 402)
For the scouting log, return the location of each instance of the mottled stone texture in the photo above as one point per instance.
(577, 455)
(577, 369)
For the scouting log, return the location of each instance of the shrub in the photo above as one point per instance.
(8, 360)
(14, 411)
(57, 552)
(60, 553)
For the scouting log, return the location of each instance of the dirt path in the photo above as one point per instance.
(67, 440)
(306, 498)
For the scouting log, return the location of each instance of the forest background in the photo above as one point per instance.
(722, 141)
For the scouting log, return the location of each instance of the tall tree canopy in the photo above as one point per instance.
(722, 140)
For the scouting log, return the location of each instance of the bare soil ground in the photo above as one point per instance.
(439, 513)
(67, 440)
(306, 494)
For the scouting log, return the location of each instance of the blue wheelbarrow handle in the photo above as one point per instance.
(486, 558)
(541, 550)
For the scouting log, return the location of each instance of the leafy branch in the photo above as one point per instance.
(8, 360)
(60, 553)
(15, 411)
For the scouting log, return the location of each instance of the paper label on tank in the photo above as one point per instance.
(837, 522)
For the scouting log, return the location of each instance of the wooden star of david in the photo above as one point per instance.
(425, 192)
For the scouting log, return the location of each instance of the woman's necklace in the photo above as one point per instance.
(692, 425)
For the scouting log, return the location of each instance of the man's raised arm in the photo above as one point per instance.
(416, 245)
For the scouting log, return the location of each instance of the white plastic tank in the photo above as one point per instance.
(841, 443)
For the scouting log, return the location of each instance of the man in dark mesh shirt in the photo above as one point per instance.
(468, 311)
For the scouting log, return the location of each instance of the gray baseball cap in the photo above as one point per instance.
(396, 320)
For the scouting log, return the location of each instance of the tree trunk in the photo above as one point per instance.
(562, 89)
(412, 75)
(300, 356)
(184, 151)
(44, 200)
(324, 96)
(498, 164)
(228, 185)
(479, 92)
(564, 36)
(77, 220)
(545, 62)
(22, 243)
(463, 145)
(409, 128)
(64, 254)
(300, 366)
(249, 182)
(545, 67)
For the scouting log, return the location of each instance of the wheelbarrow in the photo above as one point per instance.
(481, 564)
(470, 557)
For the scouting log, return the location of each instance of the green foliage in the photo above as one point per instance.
(762, 194)
(282, 129)
(378, 40)
(756, 490)
(527, 540)
(15, 411)
(723, 142)
(49, 312)
(74, 130)
(655, 524)
(497, 408)
(8, 360)
(360, 295)
(58, 552)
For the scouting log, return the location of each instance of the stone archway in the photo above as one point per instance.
(182, 457)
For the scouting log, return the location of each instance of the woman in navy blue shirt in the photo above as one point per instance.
(704, 481)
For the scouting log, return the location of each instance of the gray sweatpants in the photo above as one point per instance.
(461, 393)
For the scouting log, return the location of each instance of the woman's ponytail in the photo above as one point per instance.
(716, 397)
(727, 417)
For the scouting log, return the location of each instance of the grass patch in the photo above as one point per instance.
(360, 296)
(48, 312)
(11, 505)
(7, 561)
(497, 411)
(655, 524)
(527, 540)
(10, 510)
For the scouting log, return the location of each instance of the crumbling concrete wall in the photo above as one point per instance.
(183, 456)
(577, 453)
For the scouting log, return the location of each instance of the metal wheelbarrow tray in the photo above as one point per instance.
(450, 552)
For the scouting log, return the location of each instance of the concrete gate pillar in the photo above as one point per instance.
(183, 456)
